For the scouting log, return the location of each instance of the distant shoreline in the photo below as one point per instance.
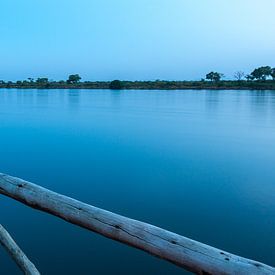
(148, 85)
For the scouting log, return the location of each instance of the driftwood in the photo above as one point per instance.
(16, 253)
(189, 254)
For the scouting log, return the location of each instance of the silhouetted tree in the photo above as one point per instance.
(273, 73)
(249, 77)
(239, 75)
(43, 80)
(116, 85)
(262, 73)
(214, 76)
(9, 83)
(74, 78)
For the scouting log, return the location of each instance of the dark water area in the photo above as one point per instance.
(199, 163)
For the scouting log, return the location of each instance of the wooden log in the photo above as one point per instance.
(189, 254)
(16, 253)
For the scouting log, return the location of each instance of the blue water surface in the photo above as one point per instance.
(199, 163)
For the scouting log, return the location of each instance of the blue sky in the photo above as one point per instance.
(135, 40)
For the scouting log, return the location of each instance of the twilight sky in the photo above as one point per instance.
(135, 40)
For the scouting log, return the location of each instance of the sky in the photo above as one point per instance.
(134, 40)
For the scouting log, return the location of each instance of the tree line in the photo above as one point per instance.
(262, 73)
(260, 78)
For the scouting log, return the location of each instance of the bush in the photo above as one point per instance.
(116, 85)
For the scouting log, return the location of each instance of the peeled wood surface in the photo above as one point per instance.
(16, 253)
(191, 255)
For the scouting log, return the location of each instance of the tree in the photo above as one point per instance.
(9, 83)
(74, 78)
(43, 80)
(262, 73)
(116, 85)
(249, 77)
(239, 75)
(214, 76)
(273, 73)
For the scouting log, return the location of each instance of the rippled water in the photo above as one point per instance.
(199, 163)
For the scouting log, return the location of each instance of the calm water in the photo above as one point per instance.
(199, 163)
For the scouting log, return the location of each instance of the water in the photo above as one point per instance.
(199, 163)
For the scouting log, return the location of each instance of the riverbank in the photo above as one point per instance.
(146, 85)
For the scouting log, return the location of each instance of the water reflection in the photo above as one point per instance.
(212, 100)
(74, 98)
(42, 97)
(259, 102)
(156, 156)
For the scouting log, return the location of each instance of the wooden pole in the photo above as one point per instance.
(16, 253)
(189, 254)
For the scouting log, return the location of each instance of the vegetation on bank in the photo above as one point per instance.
(262, 78)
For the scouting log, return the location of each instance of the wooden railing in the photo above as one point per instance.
(181, 251)
(16, 253)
